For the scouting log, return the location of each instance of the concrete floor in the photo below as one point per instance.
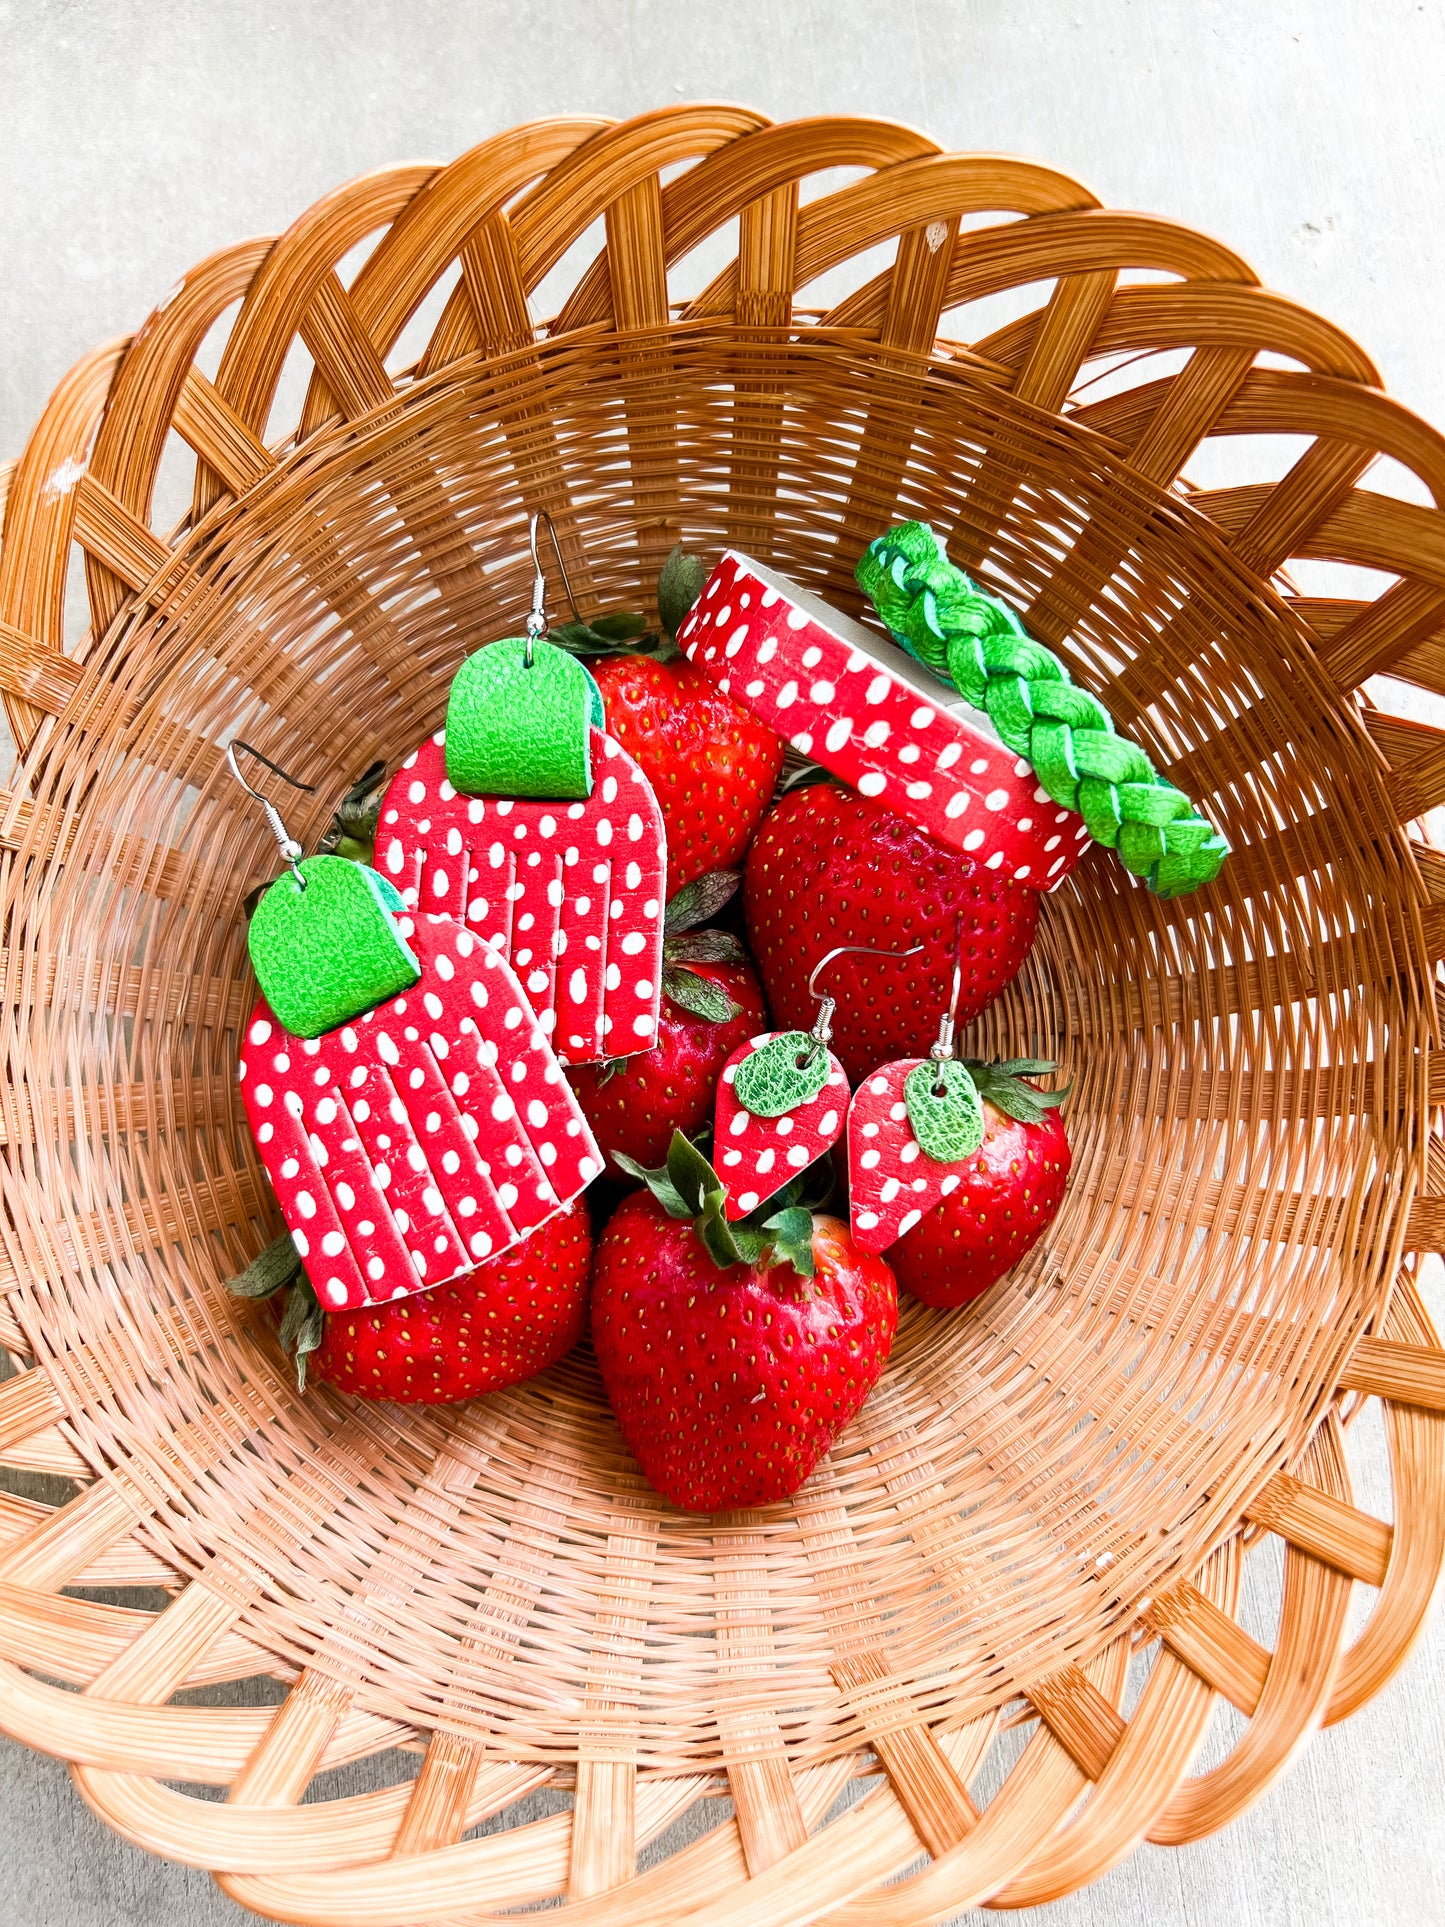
(138, 135)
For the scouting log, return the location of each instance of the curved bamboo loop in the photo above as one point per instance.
(495, 1581)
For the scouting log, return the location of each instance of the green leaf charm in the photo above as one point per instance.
(944, 1109)
(790, 1069)
(519, 731)
(325, 954)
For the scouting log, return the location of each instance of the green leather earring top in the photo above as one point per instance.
(520, 727)
(325, 953)
(787, 1071)
(945, 1110)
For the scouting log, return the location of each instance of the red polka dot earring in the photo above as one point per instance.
(782, 1100)
(408, 1109)
(531, 827)
(911, 1126)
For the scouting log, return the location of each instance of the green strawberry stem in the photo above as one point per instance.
(303, 1323)
(268, 1271)
(684, 945)
(625, 633)
(687, 1186)
(1002, 1086)
(695, 902)
(698, 995)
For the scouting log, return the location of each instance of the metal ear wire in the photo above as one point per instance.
(289, 847)
(942, 1051)
(823, 1029)
(537, 615)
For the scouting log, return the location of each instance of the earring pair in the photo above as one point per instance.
(783, 1100)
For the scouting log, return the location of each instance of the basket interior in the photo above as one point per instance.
(1028, 1470)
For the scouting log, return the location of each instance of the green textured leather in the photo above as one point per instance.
(944, 1110)
(978, 642)
(519, 731)
(772, 1080)
(325, 954)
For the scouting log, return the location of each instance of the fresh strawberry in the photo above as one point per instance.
(492, 1327)
(831, 867)
(1011, 1188)
(635, 1104)
(712, 765)
(733, 1355)
(711, 1003)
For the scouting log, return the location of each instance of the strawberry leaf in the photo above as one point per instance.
(353, 828)
(690, 1171)
(678, 588)
(682, 1184)
(792, 1230)
(688, 1187)
(303, 1327)
(620, 634)
(1002, 1086)
(700, 995)
(726, 1244)
(658, 1183)
(615, 635)
(704, 946)
(269, 1271)
(695, 902)
(622, 626)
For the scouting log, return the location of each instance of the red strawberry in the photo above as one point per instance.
(1011, 1189)
(711, 1003)
(831, 867)
(712, 765)
(638, 1108)
(496, 1325)
(731, 1377)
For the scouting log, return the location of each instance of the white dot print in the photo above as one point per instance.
(376, 1188)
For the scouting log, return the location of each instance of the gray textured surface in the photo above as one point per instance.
(137, 135)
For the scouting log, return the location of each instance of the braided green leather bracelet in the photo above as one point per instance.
(978, 643)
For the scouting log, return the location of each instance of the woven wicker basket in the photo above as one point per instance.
(1042, 1496)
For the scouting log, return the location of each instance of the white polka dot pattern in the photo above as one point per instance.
(756, 1156)
(571, 894)
(427, 1135)
(892, 1180)
(864, 709)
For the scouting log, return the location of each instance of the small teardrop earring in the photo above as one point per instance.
(911, 1124)
(782, 1099)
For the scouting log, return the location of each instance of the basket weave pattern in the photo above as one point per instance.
(1040, 1496)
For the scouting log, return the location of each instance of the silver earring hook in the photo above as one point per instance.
(942, 1051)
(289, 847)
(537, 615)
(823, 1029)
